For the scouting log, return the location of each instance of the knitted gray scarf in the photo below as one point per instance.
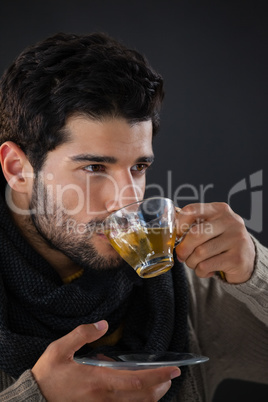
(37, 308)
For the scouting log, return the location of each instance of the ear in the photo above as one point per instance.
(16, 167)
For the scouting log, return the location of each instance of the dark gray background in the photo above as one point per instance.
(213, 57)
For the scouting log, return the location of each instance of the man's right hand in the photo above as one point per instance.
(60, 378)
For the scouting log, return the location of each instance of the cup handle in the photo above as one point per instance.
(178, 240)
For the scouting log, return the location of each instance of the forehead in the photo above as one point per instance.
(109, 137)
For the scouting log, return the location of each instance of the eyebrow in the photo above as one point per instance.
(107, 159)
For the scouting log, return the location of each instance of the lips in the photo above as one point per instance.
(102, 235)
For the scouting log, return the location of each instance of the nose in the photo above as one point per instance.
(125, 192)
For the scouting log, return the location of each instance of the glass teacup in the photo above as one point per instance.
(144, 235)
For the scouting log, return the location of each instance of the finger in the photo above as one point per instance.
(198, 235)
(152, 377)
(205, 210)
(221, 262)
(206, 251)
(127, 380)
(161, 390)
(196, 213)
(214, 246)
(151, 394)
(230, 262)
(122, 385)
(74, 340)
(234, 265)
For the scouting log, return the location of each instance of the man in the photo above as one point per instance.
(78, 114)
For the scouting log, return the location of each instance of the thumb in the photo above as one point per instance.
(81, 335)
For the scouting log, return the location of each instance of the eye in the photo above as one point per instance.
(96, 168)
(140, 167)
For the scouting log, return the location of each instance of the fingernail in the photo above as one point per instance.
(174, 374)
(101, 325)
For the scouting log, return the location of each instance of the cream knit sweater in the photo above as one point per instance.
(228, 323)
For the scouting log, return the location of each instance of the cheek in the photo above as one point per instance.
(86, 200)
(72, 198)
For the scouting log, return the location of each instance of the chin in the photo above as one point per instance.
(104, 248)
(107, 258)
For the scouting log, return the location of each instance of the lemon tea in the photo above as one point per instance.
(148, 250)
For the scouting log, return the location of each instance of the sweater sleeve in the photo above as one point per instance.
(23, 389)
(254, 292)
(229, 322)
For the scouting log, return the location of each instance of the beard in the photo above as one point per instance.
(60, 232)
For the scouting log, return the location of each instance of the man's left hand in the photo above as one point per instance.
(216, 239)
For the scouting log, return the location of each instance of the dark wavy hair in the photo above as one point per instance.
(67, 74)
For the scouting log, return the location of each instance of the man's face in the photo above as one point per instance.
(100, 169)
